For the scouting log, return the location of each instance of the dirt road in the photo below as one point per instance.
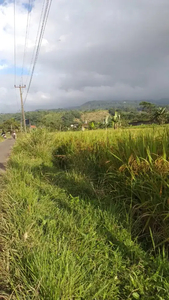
(5, 148)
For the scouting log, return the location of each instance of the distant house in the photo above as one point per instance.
(74, 126)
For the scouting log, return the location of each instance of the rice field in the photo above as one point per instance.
(85, 216)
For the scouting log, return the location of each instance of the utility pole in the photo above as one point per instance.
(20, 87)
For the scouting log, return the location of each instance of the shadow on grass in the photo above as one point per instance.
(83, 189)
(75, 184)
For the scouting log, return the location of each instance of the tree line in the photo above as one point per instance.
(64, 119)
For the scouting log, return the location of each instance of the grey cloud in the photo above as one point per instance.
(127, 46)
(101, 49)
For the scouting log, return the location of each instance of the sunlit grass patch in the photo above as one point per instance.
(86, 215)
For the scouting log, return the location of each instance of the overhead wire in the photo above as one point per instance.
(14, 48)
(50, 3)
(41, 34)
(26, 38)
(14, 11)
(42, 25)
(36, 41)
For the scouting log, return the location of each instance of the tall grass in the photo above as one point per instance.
(130, 166)
(74, 206)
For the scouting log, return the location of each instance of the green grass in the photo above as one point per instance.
(1, 139)
(128, 165)
(74, 206)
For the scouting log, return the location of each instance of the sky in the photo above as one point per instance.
(91, 50)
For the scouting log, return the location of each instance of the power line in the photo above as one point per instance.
(14, 45)
(26, 37)
(20, 87)
(14, 19)
(43, 26)
(36, 41)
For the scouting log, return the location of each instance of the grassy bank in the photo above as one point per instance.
(1, 139)
(87, 216)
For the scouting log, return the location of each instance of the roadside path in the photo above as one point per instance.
(5, 148)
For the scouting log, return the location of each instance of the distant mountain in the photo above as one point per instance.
(98, 105)
(101, 104)
(90, 105)
(107, 104)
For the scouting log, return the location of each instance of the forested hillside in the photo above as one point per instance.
(129, 113)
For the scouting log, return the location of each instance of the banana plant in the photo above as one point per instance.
(116, 120)
(160, 115)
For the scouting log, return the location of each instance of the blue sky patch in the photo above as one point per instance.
(28, 6)
(5, 2)
(10, 70)
(3, 62)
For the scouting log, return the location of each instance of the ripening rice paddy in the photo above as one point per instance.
(85, 215)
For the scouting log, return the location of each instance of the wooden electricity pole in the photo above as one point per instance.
(20, 87)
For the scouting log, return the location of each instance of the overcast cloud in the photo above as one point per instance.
(92, 50)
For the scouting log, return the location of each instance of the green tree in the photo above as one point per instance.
(76, 114)
(91, 125)
(53, 121)
(160, 115)
(67, 119)
(147, 106)
(10, 125)
(112, 111)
